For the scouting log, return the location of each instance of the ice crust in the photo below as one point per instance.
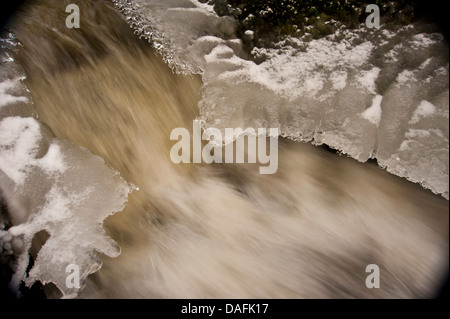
(50, 185)
(363, 91)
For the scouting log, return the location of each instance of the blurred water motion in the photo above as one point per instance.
(219, 231)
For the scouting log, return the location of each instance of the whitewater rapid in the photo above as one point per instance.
(220, 231)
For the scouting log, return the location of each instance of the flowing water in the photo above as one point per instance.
(219, 230)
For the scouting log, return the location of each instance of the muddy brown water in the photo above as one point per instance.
(221, 230)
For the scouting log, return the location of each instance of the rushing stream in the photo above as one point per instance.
(219, 230)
